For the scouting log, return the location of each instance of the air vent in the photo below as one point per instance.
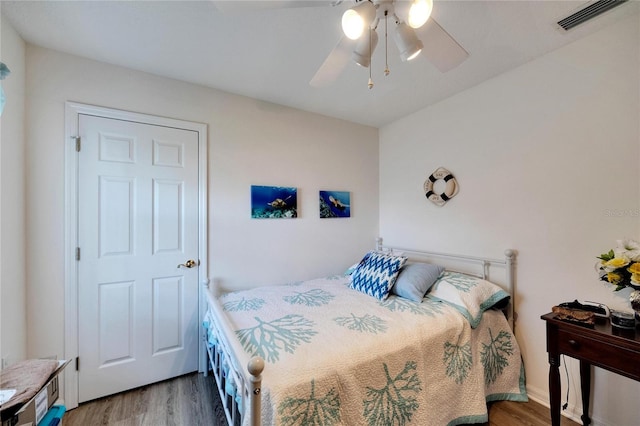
(589, 12)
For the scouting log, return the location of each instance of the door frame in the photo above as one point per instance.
(73, 110)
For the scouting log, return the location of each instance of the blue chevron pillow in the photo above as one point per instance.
(376, 274)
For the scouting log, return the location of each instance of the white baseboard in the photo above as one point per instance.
(542, 398)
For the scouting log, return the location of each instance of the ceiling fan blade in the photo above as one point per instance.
(440, 48)
(236, 6)
(334, 63)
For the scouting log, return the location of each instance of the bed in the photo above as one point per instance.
(329, 352)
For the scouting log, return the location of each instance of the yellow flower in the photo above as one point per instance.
(615, 263)
(618, 262)
(614, 277)
(634, 268)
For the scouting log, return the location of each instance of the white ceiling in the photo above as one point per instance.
(271, 53)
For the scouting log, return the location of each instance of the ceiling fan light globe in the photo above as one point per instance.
(366, 45)
(367, 12)
(416, 53)
(356, 19)
(407, 41)
(352, 24)
(419, 12)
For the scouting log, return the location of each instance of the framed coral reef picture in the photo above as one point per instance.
(274, 202)
(335, 204)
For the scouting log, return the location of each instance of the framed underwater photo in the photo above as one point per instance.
(335, 204)
(274, 202)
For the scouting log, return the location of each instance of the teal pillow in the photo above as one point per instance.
(351, 269)
(415, 279)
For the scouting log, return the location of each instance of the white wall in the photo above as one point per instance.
(250, 142)
(13, 318)
(547, 161)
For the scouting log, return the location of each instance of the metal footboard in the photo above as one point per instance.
(239, 394)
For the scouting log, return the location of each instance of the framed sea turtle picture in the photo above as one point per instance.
(274, 202)
(335, 204)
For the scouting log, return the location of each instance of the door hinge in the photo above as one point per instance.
(77, 363)
(78, 253)
(78, 142)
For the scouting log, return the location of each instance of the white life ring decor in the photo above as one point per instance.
(450, 189)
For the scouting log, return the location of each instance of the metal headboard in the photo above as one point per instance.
(483, 265)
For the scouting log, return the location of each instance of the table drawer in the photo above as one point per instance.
(610, 356)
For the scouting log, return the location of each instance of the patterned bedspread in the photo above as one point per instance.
(335, 356)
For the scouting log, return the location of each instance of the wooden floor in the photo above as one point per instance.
(186, 401)
(507, 413)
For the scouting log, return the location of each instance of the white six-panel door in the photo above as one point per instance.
(137, 221)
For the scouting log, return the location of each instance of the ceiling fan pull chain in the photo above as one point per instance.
(370, 84)
(386, 58)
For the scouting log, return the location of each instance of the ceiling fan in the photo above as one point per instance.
(415, 32)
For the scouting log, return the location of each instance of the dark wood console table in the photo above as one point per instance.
(604, 346)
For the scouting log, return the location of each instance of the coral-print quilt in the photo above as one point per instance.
(335, 356)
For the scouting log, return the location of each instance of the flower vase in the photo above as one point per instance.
(634, 298)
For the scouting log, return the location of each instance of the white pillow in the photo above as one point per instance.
(468, 294)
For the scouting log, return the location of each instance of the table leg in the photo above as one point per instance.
(554, 389)
(585, 388)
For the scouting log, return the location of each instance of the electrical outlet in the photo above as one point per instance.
(5, 363)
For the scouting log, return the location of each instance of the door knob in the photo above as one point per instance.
(189, 264)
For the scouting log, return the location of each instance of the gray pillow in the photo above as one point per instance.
(415, 280)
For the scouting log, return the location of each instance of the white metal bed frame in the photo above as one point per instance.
(222, 356)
